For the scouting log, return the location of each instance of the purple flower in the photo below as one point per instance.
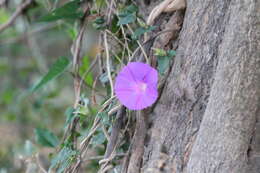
(136, 86)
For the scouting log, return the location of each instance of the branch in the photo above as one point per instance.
(18, 11)
(137, 149)
(115, 131)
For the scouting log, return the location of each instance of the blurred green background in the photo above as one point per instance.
(27, 50)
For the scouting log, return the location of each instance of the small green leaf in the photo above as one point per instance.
(159, 52)
(70, 116)
(171, 53)
(3, 16)
(126, 20)
(99, 20)
(99, 23)
(67, 11)
(57, 69)
(100, 3)
(164, 59)
(98, 139)
(45, 137)
(127, 15)
(114, 24)
(105, 118)
(72, 32)
(63, 159)
(163, 64)
(88, 78)
(131, 9)
(140, 31)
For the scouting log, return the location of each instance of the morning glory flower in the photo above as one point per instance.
(136, 86)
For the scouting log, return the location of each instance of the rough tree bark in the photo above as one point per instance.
(207, 119)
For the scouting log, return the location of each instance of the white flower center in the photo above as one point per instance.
(142, 87)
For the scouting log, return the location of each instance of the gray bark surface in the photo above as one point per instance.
(207, 119)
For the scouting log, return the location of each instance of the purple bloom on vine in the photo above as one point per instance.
(136, 86)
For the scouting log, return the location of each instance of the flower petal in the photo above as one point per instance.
(128, 89)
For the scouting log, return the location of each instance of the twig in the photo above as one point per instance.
(101, 157)
(126, 41)
(93, 129)
(113, 35)
(147, 44)
(118, 59)
(113, 141)
(115, 131)
(39, 164)
(108, 64)
(84, 144)
(139, 44)
(106, 169)
(138, 143)
(18, 11)
(93, 93)
(75, 49)
(105, 162)
(114, 109)
(105, 132)
(165, 6)
(110, 10)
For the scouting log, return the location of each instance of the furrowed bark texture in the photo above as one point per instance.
(225, 134)
(207, 119)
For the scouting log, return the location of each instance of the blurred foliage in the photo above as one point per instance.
(36, 91)
(27, 51)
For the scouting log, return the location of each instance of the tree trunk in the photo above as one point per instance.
(207, 118)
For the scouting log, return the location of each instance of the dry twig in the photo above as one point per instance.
(108, 65)
(18, 11)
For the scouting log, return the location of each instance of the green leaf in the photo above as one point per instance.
(98, 139)
(99, 20)
(70, 116)
(8, 96)
(163, 64)
(99, 23)
(57, 69)
(140, 31)
(72, 32)
(164, 59)
(3, 16)
(126, 20)
(67, 11)
(171, 53)
(63, 159)
(131, 9)
(114, 24)
(105, 118)
(45, 137)
(100, 3)
(88, 79)
(127, 15)
(159, 52)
